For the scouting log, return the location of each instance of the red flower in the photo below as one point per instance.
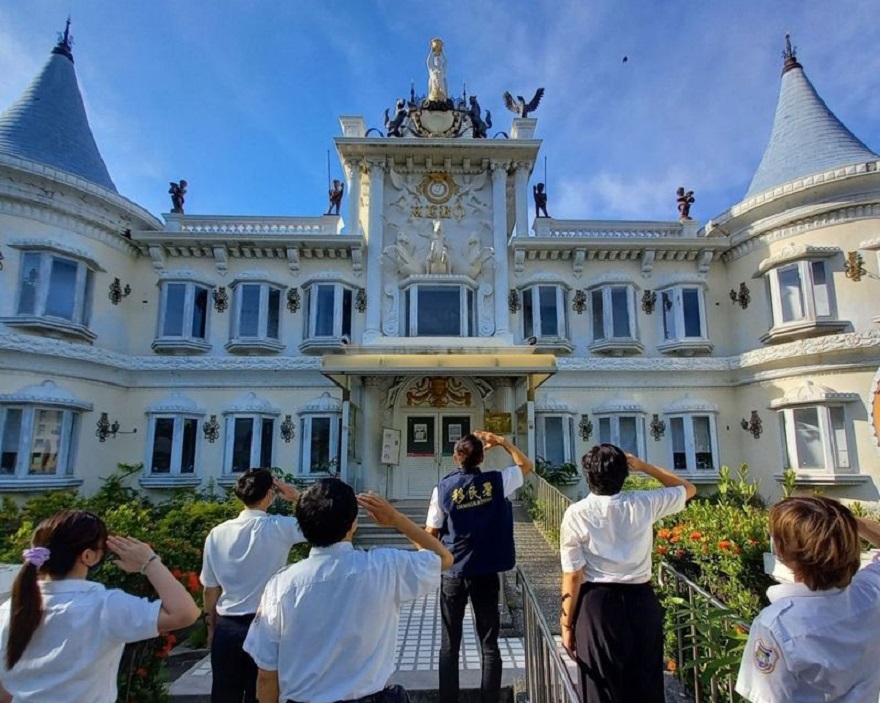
(679, 553)
(737, 550)
(170, 640)
(724, 544)
(675, 538)
(696, 535)
(664, 533)
(177, 573)
(192, 582)
(661, 550)
(142, 673)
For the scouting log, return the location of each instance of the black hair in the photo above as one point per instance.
(66, 535)
(325, 511)
(469, 452)
(253, 485)
(605, 468)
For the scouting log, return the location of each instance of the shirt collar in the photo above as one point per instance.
(70, 586)
(334, 550)
(797, 590)
(251, 512)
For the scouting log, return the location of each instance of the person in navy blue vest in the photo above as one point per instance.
(471, 515)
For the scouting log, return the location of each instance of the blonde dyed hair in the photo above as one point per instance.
(818, 539)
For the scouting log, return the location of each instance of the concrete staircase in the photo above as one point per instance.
(369, 534)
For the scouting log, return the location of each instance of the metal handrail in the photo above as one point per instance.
(547, 677)
(689, 644)
(551, 504)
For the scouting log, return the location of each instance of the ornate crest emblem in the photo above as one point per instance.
(765, 657)
(438, 187)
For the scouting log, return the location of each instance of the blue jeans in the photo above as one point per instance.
(454, 594)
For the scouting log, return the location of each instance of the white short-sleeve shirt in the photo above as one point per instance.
(242, 554)
(511, 479)
(328, 624)
(816, 646)
(610, 537)
(74, 654)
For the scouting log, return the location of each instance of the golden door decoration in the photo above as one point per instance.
(439, 392)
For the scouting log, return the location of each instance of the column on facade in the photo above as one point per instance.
(353, 174)
(373, 331)
(373, 472)
(521, 197)
(499, 234)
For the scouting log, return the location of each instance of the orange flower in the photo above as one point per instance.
(671, 665)
(664, 533)
(192, 582)
(661, 550)
(696, 535)
(678, 529)
(724, 544)
(675, 538)
(679, 553)
(737, 550)
(176, 573)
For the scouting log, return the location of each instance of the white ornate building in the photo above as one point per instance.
(366, 344)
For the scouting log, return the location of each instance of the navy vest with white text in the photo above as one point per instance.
(478, 528)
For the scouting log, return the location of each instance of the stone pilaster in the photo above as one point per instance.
(373, 331)
(521, 197)
(353, 174)
(499, 242)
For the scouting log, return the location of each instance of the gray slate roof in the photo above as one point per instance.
(48, 124)
(806, 138)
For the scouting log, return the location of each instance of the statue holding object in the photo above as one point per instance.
(437, 90)
(177, 191)
(335, 194)
(540, 200)
(685, 200)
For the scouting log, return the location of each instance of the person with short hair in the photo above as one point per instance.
(819, 639)
(611, 620)
(240, 557)
(326, 628)
(61, 635)
(470, 513)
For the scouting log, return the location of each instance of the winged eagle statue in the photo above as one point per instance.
(520, 106)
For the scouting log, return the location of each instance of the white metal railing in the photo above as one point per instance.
(547, 677)
(214, 224)
(546, 505)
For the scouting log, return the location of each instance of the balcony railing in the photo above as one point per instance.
(547, 677)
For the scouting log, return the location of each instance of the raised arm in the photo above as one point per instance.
(178, 607)
(869, 530)
(490, 439)
(667, 478)
(385, 514)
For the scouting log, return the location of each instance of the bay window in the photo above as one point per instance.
(256, 318)
(183, 317)
(612, 309)
(328, 308)
(544, 316)
(683, 319)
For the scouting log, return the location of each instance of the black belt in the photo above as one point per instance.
(239, 618)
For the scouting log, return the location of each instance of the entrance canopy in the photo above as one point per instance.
(536, 367)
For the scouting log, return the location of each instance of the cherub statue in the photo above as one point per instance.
(540, 200)
(437, 260)
(479, 125)
(177, 191)
(335, 193)
(684, 199)
(394, 126)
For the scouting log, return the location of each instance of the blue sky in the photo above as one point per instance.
(242, 98)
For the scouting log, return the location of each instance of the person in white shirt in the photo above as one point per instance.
(326, 628)
(240, 557)
(611, 621)
(62, 636)
(819, 639)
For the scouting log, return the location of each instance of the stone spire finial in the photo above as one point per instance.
(789, 56)
(65, 43)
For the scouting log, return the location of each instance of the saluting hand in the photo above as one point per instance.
(285, 490)
(489, 439)
(379, 509)
(131, 553)
(635, 463)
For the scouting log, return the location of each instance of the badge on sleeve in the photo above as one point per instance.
(765, 657)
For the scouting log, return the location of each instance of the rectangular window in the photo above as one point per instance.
(163, 445)
(690, 299)
(666, 303)
(528, 315)
(326, 298)
(808, 438)
(621, 430)
(679, 445)
(175, 302)
(554, 440)
(821, 294)
(703, 444)
(549, 319)
(838, 429)
(346, 312)
(46, 442)
(274, 313)
(628, 441)
(320, 445)
(241, 443)
(249, 315)
(62, 289)
(620, 312)
(266, 434)
(188, 450)
(605, 431)
(28, 283)
(597, 309)
(200, 312)
(790, 293)
(11, 439)
(439, 311)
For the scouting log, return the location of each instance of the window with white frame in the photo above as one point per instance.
(256, 318)
(683, 319)
(623, 430)
(439, 310)
(613, 313)
(328, 314)
(694, 442)
(55, 291)
(38, 436)
(815, 429)
(544, 312)
(250, 434)
(173, 445)
(183, 316)
(554, 436)
(321, 433)
(802, 300)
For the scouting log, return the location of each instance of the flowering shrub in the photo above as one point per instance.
(176, 530)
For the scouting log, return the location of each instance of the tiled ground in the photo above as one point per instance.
(418, 640)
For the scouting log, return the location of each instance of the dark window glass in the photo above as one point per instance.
(274, 313)
(690, 299)
(549, 318)
(319, 460)
(266, 434)
(249, 319)
(175, 299)
(62, 289)
(30, 277)
(200, 312)
(243, 437)
(620, 312)
(439, 312)
(188, 452)
(326, 299)
(346, 313)
(11, 437)
(163, 441)
(597, 307)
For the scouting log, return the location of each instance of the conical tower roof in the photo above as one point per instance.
(48, 123)
(807, 137)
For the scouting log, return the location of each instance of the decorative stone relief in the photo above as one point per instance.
(439, 392)
(391, 308)
(577, 264)
(486, 308)
(293, 260)
(648, 257)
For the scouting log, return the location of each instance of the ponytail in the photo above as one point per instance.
(27, 612)
(57, 543)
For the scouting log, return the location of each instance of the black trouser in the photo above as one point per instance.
(619, 642)
(234, 672)
(483, 594)
(391, 694)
